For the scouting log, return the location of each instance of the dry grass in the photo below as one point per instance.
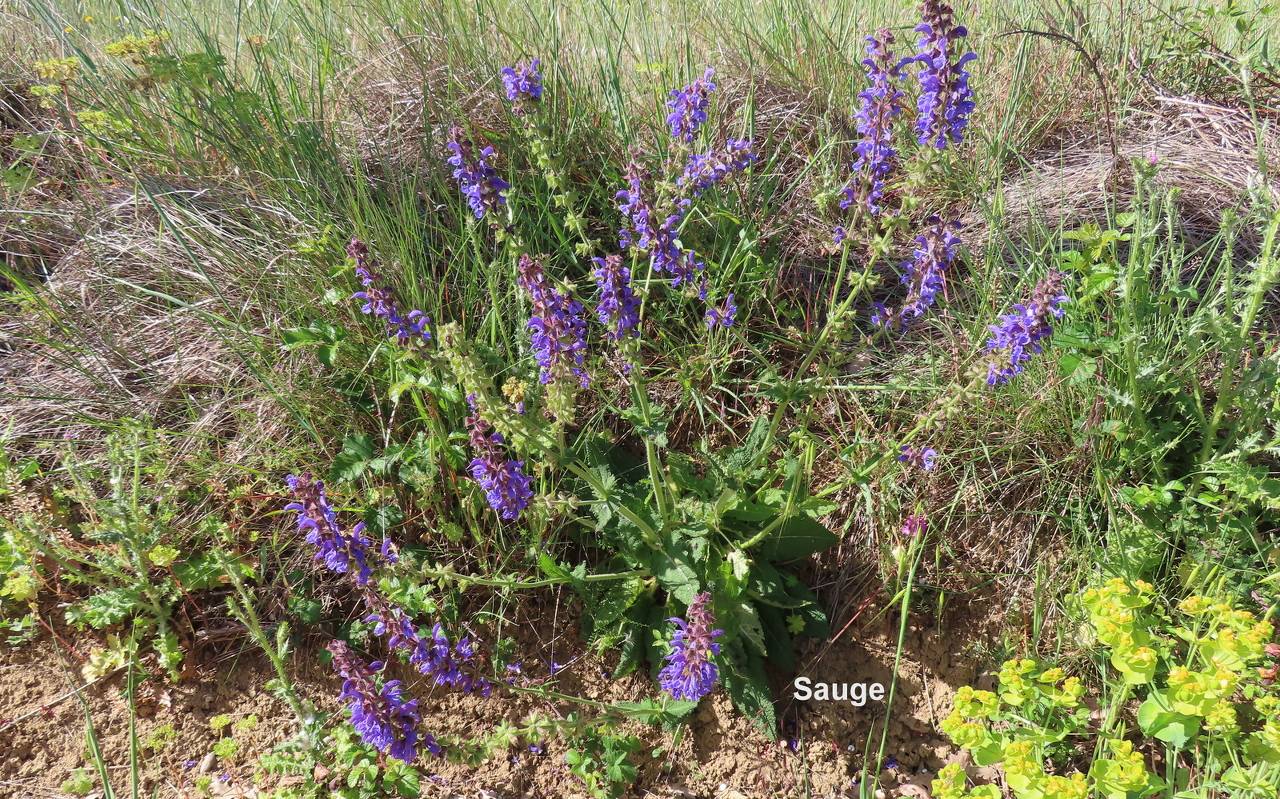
(1214, 155)
(122, 329)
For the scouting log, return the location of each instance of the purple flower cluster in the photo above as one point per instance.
(661, 241)
(689, 107)
(914, 525)
(559, 334)
(380, 301)
(1018, 335)
(505, 485)
(523, 84)
(945, 99)
(924, 274)
(480, 182)
(924, 458)
(704, 170)
(723, 315)
(381, 716)
(690, 673)
(618, 308)
(881, 103)
(433, 656)
(342, 553)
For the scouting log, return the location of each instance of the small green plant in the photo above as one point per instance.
(80, 783)
(600, 758)
(160, 738)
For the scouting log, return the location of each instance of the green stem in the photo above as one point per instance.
(904, 616)
(650, 535)
(514, 584)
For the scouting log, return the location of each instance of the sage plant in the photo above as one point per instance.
(690, 672)
(945, 101)
(880, 104)
(1019, 335)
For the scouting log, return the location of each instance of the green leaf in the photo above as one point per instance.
(1157, 718)
(748, 687)
(356, 453)
(676, 577)
(777, 638)
(798, 537)
(653, 711)
(614, 602)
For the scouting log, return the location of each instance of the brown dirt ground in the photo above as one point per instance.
(42, 725)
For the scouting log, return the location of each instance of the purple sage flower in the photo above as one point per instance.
(880, 103)
(724, 315)
(380, 301)
(523, 84)
(1018, 335)
(381, 716)
(705, 170)
(342, 553)
(945, 99)
(923, 458)
(618, 308)
(690, 673)
(558, 331)
(914, 525)
(505, 485)
(689, 107)
(661, 241)
(480, 182)
(433, 655)
(924, 274)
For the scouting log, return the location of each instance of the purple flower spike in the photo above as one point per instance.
(559, 334)
(661, 241)
(1018, 335)
(945, 99)
(705, 170)
(914, 525)
(523, 84)
(924, 274)
(923, 458)
(618, 308)
(881, 103)
(433, 656)
(341, 553)
(690, 673)
(689, 107)
(480, 182)
(381, 716)
(380, 301)
(503, 480)
(724, 315)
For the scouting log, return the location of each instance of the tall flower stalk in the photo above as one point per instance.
(382, 717)
(618, 308)
(503, 480)
(688, 107)
(380, 300)
(524, 90)
(945, 101)
(1019, 335)
(559, 335)
(924, 275)
(480, 183)
(690, 672)
(880, 103)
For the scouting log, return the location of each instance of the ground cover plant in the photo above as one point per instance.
(433, 399)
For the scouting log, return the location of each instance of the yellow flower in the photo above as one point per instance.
(1222, 718)
(61, 70)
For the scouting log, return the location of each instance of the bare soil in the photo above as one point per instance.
(43, 724)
